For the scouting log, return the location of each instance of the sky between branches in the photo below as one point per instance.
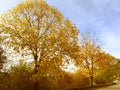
(99, 16)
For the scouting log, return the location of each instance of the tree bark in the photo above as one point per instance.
(36, 71)
(91, 75)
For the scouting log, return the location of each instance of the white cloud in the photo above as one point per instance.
(111, 42)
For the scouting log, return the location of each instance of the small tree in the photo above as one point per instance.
(90, 54)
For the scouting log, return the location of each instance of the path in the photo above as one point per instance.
(113, 87)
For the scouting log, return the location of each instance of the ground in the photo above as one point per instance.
(114, 87)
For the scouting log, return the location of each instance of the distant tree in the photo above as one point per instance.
(92, 55)
(89, 50)
(112, 71)
(117, 70)
(106, 72)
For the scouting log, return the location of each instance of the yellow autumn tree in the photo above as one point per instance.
(41, 30)
(105, 72)
(90, 54)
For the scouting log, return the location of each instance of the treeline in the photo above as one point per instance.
(39, 31)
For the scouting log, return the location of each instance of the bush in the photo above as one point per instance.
(100, 80)
(104, 77)
(84, 81)
(19, 77)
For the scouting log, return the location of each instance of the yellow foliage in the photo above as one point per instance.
(41, 30)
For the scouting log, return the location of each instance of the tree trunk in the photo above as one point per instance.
(91, 80)
(36, 66)
(91, 76)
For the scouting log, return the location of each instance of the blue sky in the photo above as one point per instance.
(99, 16)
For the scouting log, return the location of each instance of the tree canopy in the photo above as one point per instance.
(40, 29)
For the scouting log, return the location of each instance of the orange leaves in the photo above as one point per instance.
(42, 31)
